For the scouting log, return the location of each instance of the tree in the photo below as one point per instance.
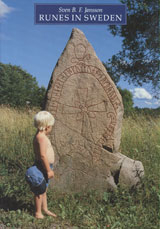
(127, 98)
(138, 61)
(18, 88)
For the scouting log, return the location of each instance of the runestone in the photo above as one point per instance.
(88, 110)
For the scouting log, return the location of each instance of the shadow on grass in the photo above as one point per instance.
(11, 204)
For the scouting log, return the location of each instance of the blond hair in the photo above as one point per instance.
(43, 119)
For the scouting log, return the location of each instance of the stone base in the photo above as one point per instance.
(104, 172)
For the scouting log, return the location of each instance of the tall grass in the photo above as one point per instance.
(121, 209)
(16, 135)
(141, 141)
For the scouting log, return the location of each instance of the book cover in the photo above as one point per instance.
(33, 37)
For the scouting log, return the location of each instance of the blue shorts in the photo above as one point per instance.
(41, 168)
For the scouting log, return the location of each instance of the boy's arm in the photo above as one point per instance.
(43, 148)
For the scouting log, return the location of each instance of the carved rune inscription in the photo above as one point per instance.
(83, 96)
(88, 110)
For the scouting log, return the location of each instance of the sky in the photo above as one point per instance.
(36, 48)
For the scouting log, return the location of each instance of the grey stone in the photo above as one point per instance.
(88, 110)
(131, 173)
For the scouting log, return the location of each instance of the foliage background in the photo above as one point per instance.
(19, 88)
(138, 61)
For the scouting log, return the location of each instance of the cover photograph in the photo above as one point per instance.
(79, 114)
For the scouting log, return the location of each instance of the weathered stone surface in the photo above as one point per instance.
(82, 95)
(131, 173)
(88, 110)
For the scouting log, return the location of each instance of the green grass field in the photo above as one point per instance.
(122, 209)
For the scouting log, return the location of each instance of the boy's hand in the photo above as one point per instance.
(50, 174)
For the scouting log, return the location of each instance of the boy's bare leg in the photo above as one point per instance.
(45, 207)
(38, 205)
